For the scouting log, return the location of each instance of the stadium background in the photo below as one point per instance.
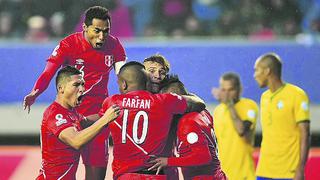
(202, 39)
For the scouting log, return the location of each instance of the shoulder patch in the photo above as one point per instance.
(251, 114)
(305, 106)
(192, 138)
(60, 120)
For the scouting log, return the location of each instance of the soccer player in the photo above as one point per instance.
(61, 134)
(158, 67)
(197, 147)
(285, 123)
(94, 52)
(235, 121)
(142, 129)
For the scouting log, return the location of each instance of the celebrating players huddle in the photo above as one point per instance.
(153, 115)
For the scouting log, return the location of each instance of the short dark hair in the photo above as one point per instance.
(274, 63)
(173, 81)
(234, 77)
(159, 59)
(131, 63)
(133, 73)
(66, 72)
(97, 12)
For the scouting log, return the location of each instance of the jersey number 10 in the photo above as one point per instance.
(136, 120)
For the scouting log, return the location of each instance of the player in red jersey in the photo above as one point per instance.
(94, 52)
(142, 129)
(197, 148)
(158, 67)
(61, 134)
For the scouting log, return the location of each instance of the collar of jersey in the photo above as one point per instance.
(277, 91)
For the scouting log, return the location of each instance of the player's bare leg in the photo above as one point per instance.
(95, 173)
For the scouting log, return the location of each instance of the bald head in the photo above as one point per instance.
(271, 61)
(131, 77)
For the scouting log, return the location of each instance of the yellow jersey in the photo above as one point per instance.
(235, 153)
(281, 112)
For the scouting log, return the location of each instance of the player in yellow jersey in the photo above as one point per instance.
(235, 122)
(285, 123)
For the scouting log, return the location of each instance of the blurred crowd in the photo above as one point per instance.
(39, 21)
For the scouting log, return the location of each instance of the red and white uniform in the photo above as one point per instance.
(95, 64)
(197, 147)
(142, 127)
(59, 160)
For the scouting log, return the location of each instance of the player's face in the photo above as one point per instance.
(156, 73)
(260, 74)
(74, 90)
(97, 32)
(228, 91)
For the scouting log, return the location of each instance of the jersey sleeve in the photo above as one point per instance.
(301, 107)
(193, 144)
(105, 105)
(44, 79)
(119, 52)
(58, 122)
(175, 103)
(60, 53)
(249, 112)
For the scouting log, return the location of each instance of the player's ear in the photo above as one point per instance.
(124, 85)
(85, 28)
(60, 88)
(267, 71)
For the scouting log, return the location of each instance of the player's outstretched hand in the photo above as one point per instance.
(29, 99)
(112, 113)
(158, 163)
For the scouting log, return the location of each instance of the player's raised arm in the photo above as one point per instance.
(172, 84)
(40, 85)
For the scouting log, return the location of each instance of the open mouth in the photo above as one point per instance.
(79, 99)
(99, 44)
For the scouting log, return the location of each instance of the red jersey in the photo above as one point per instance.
(95, 64)
(59, 160)
(142, 127)
(197, 147)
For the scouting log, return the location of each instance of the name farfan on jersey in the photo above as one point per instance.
(136, 103)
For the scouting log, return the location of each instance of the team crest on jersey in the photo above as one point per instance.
(108, 60)
(79, 61)
(280, 105)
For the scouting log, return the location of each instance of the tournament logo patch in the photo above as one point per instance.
(192, 138)
(251, 114)
(305, 106)
(108, 60)
(60, 120)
